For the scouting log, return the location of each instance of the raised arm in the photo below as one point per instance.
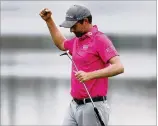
(56, 35)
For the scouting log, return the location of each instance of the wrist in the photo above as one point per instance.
(49, 20)
(92, 75)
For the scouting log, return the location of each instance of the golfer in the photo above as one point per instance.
(96, 58)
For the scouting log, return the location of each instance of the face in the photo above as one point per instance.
(78, 29)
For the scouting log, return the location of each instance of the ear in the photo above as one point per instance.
(86, 20)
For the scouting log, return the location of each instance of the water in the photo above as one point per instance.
(24, 63)
(43, 101)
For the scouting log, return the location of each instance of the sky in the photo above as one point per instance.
(119, 17)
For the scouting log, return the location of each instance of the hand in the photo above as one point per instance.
(82, 76)
(45, 14)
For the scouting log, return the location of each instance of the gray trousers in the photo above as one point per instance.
(84, 115)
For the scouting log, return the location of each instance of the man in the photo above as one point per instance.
(96, 59)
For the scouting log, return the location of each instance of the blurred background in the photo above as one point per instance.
(35, 80)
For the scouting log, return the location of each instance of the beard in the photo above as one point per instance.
(79, 34)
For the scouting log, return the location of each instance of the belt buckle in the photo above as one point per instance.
(84, 101)
(104, 99)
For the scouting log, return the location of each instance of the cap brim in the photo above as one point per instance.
(68, 24)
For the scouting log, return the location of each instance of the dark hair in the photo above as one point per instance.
(89, 20)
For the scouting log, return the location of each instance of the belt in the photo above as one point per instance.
(86, 100)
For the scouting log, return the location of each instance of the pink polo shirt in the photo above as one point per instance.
(90, 52)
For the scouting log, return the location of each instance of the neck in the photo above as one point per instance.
(89, 27)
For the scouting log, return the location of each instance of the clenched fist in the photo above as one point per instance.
(46, 14)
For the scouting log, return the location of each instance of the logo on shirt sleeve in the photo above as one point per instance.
(110, 49)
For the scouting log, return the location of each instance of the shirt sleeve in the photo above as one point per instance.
(68, 45)
(105, 48)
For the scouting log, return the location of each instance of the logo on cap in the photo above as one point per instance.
(69, 16)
